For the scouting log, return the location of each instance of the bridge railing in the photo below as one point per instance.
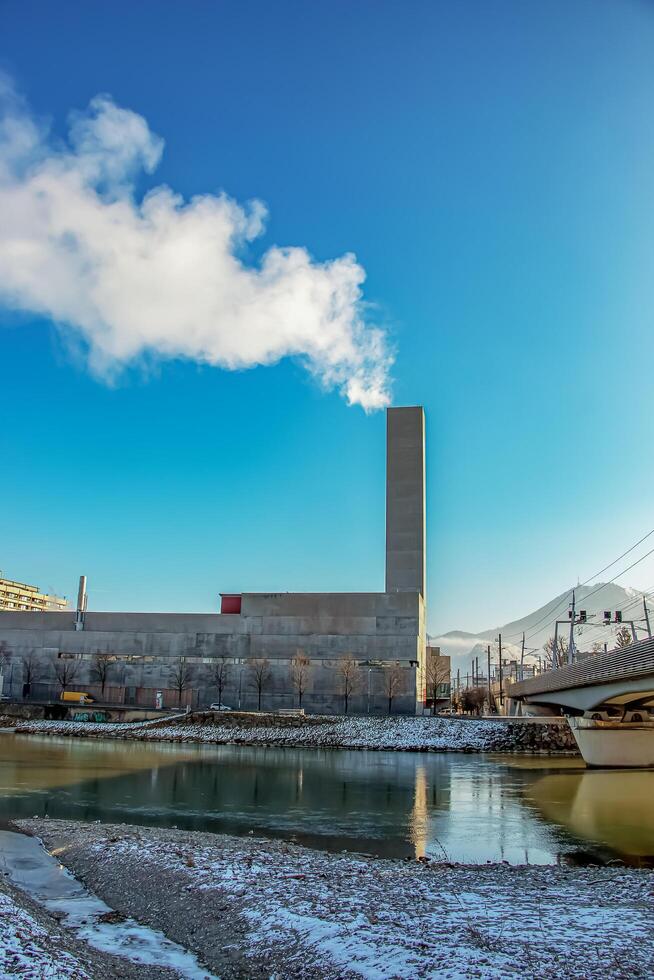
(630, 661)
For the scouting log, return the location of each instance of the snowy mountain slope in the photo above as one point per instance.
(538, 626)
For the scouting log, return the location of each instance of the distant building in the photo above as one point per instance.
(438, 681)
(28, 598)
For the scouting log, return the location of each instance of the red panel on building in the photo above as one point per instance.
(230, 603)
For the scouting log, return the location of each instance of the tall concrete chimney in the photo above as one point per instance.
(405, 500)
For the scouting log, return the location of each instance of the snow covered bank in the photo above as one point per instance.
(40, 876)
(260, 908)
(34, 945)
(27, 950)
(394, 733)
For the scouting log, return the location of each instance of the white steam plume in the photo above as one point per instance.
(161, 276)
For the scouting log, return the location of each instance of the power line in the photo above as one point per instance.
(558, 602)
(604, 584)
(646, 594)
(619, 575)
(598, 628)
(616, 560)
(632, 603)
(561, 603)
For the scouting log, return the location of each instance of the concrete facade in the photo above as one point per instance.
(375, 630)
(381, 636)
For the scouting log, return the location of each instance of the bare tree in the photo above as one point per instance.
(393, 677)
(66, 670)
(437, 673)
(220, 676)
(300, 667)
(100, 669)
(348, 670)
(471, 699)
(32, 671)
(260, 676)
(561, 650)
(623, 637)
(181, 678)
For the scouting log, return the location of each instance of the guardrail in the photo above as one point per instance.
(634, 660)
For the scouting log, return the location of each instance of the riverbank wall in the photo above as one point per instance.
(528, 736)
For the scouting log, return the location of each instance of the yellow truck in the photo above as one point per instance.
(80, 697)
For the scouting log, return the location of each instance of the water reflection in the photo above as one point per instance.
(610, 808)
(458, 807)
(419, 819)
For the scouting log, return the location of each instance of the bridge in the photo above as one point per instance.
(606, 698)
(622, 677)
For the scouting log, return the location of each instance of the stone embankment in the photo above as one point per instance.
(549, 736)
(402, 734)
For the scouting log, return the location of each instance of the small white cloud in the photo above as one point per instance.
(162, 276)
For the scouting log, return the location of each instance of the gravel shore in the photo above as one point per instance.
(251, 908)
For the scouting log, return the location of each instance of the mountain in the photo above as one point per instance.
(462, 646)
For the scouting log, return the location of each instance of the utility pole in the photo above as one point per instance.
(571, 642)
(522, 658)
(499, 640)
(477, 662)
(555, 646)
(490, 693)
(646, 611)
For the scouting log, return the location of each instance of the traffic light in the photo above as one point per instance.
(618, 616)
(582, 615)
(607, 616)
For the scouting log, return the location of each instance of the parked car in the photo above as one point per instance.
(219, 707)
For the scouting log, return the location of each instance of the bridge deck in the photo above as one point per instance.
(635, 660)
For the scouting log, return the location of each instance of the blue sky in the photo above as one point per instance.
(492, 168)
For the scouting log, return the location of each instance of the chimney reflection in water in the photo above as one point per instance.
(419, 819)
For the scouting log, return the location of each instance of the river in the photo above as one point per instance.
(464, 808)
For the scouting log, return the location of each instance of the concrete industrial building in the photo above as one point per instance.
(331, 651)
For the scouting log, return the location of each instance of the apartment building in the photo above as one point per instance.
(18, 596)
